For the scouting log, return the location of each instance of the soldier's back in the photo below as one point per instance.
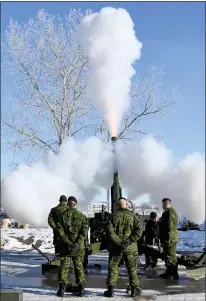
(61, 207)
(168, 225)
(55, 214)
(72, 221)
(123, 222)
(167, 214)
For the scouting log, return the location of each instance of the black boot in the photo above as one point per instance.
(168, 274)
(110, 291)
(175, 272)
(81, 290)
(61, 290)
(135, 291)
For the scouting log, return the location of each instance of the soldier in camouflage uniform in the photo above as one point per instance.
(54, 218)
(124, 231)
(73, 230)
(169, 238)
(151, 234)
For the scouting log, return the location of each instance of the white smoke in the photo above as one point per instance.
(79, 169)
(148, 167)
(83, 168)
(108, 38)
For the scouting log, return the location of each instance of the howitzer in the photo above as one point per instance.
(99, 222)
(40, 252)
(116, 193)
(184, 259)
(194, 264)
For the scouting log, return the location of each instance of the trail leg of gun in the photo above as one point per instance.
(40, 252)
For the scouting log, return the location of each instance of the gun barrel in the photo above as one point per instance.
(116, 191)
(40, 252)
(114, 138)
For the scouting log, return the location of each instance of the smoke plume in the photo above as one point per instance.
(108, 38)
(148, 167)
(83, 168)
(79, 169)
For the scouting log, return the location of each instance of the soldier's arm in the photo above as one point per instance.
(51, 221)
(137, 231)
(113, 237)
(84, 230)
(172, 224)
(146, 229)
(157, 230)
(59, 227)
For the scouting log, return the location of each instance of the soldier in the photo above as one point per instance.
(73, 230)
(54, 217)
(124, 231)
(151, 234)
(169, 239)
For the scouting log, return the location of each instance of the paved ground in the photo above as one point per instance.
(96, 278)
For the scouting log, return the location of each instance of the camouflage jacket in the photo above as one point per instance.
(168, 227)
(54, 218)
(151, 232)
(74, 225)
(124, 224)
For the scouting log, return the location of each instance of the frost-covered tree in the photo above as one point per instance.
(47, 69)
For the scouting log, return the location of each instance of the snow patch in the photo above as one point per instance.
(188, 241)
(31, 294)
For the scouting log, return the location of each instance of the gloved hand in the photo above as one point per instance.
(126, 243)
(75, 248)
(66, 241)
(115, 248)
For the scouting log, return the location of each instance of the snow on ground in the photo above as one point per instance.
(18, 257)
(191, 241)
(94, 297)
(21, 240)
(97, 295)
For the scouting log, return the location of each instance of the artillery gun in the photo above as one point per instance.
(97, 240)
(188, 225)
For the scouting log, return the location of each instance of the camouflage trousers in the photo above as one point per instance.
(78, 269)
(131, 265)
(170, 251)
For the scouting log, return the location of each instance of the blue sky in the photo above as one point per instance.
(173, 36)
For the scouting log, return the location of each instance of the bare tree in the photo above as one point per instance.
(47, 69)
